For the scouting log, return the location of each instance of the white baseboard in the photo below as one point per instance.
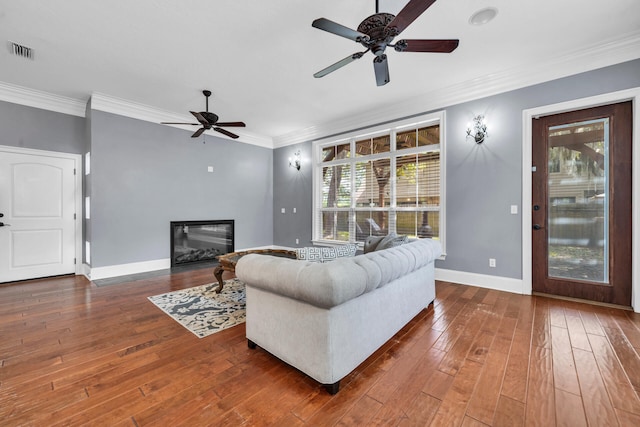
(143, 267)
(85, 270)
(497, 283)
(484, 281)
(132, 268)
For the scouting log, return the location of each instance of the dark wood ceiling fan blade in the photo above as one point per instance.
(407, 15)
(179, 123)
(200, 118)
(232, 124)
(197, 133)
(381, 68)
(226, 132)
(331, 68)
(437, 46)
(340, 30)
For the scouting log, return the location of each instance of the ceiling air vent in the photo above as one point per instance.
(20, 50)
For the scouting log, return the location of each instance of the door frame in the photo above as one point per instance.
(77, 159)
(528, 115)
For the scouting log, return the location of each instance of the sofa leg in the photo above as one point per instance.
(332, 388)
(251, 344)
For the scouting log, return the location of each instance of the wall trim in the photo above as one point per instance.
(603, 54)
(43, 100)
(85, 271)
(110, 271)
(126, 269)
(497, 283)
(632, 95)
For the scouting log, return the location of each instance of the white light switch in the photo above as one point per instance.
(514, 209)
(294, 210)
(209, 168)
(283, 210)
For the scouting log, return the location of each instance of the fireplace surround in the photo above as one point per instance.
(200, 241)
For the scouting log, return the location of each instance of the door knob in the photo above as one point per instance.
(2, 224)
(537, 226)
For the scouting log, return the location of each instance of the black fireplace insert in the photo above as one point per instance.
(200, 241)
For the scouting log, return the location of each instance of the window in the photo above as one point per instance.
(387, 180)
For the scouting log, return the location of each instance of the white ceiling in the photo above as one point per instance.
(258, 57)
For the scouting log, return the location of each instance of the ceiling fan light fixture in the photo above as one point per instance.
(483, 16)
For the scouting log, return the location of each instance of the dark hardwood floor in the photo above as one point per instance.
(72, 353)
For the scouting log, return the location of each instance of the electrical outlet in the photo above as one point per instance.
(492, 262)
(297, 241)
(514, 209)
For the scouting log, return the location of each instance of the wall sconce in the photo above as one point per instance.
(294, 162)
(479, 129)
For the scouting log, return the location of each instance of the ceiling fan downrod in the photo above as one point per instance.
(207, 94)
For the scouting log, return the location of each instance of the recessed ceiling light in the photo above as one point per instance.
(483, 16)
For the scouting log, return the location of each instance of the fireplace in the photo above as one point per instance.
(200, 241)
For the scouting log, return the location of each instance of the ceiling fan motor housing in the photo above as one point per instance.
(210, 117)
(375, 26)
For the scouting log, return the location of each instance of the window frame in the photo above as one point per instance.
(424, 120)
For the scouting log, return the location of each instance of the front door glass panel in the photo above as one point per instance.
(578, 201)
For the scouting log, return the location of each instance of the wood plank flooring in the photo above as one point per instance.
(72, 353)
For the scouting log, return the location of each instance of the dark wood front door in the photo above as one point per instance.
(581, 231)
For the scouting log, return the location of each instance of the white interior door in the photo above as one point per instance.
(37, 203)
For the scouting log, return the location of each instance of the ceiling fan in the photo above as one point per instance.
(376, 34)
(209, 121)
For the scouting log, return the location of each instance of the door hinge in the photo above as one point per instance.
(75, 260)
(74, 216)
(74, 171)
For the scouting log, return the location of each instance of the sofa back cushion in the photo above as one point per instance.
(329, 284)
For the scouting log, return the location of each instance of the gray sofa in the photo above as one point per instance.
(326, 318)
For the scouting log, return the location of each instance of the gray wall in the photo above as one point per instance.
(144, 175)
(483, 181)
(292, 189)
(28, 127)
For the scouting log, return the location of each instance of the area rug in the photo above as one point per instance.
(201, 310)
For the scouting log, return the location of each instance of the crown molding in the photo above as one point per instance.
(622, 49)
(134, 110)
(43, 100)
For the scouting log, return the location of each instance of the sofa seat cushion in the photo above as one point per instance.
(328, 285)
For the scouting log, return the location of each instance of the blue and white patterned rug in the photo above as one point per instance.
(201, 310)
